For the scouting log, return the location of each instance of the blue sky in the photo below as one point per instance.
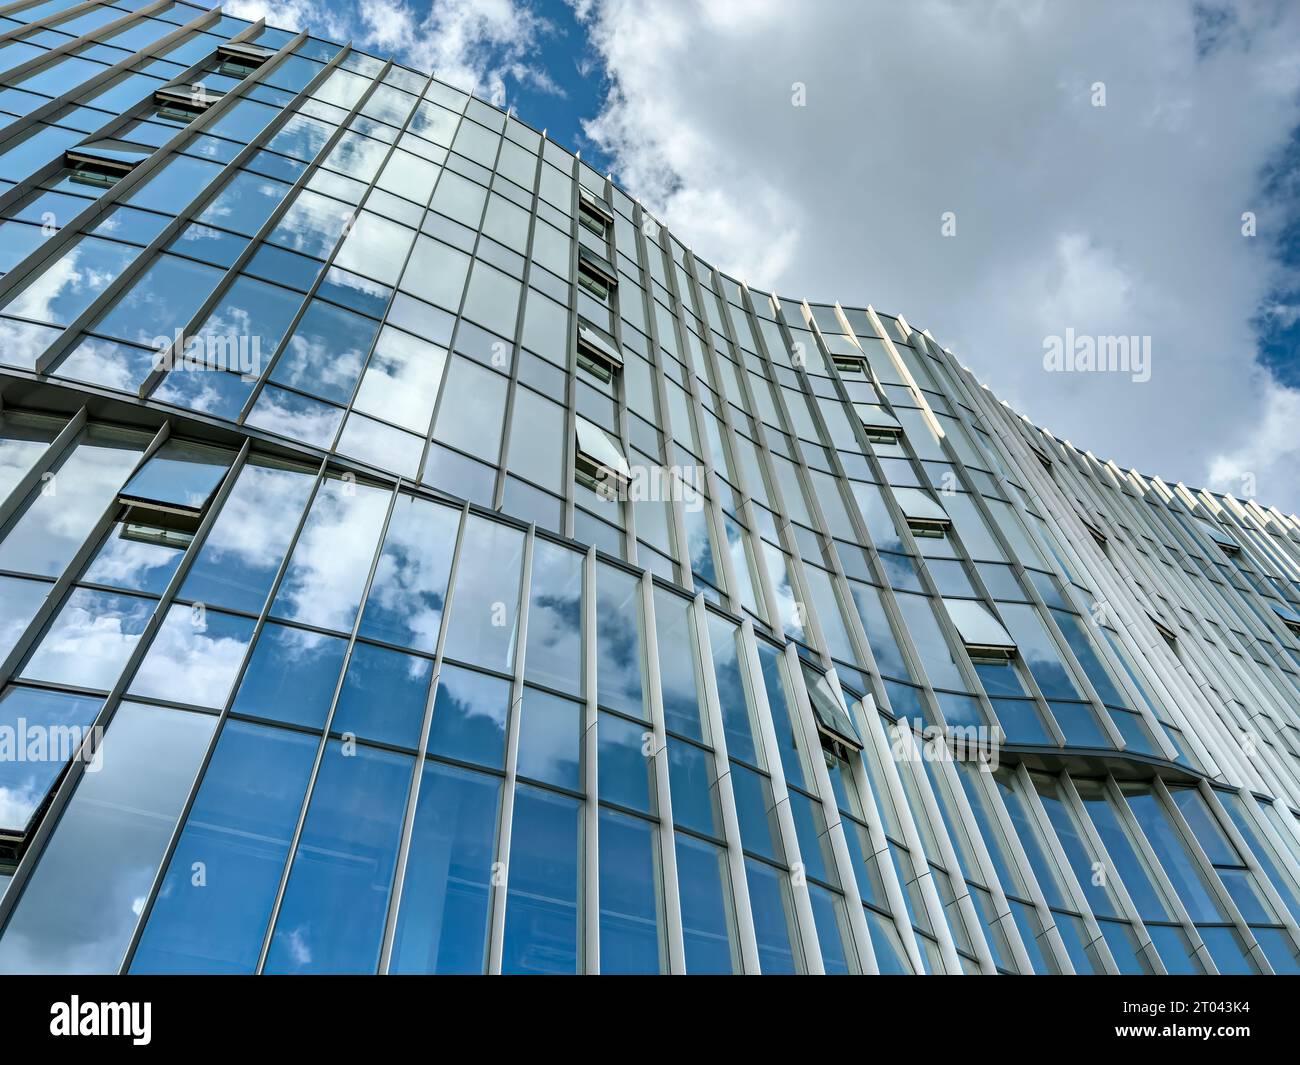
(1120, 218)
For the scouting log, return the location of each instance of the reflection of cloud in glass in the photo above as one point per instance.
(90, 639)
(331, 561)
(194, 662)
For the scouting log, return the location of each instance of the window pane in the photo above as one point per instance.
(769, 901)
(469, 717)
(344, 865)
(60, 514)
(325, 577)
(195, 657)
(442, 926)
(244, 548)
(45, 730)
(706, 919)
(409, 592)
(541, 934)
(550, 739)
(383, 696)
(629, 891)
(81, 904)
(212, 909)
(485, 604)
(618, 641)
(554, 653)
(90, 639)
(291, 676)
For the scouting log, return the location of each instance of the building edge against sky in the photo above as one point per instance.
(478, 562)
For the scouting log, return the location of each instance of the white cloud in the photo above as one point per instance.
(474, 44)
(1123, 219)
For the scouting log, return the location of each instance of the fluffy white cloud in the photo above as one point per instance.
(1123, 219)
(475, 44)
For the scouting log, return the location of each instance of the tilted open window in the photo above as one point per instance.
(103, 161)
(184, 103)
(599, 463)
(596, 276)
(880, 426)
(238, 60)
(832, 716)
(598, 356)
(1216, 532)
(593, 214)
(924, 516)
(981, 632)
(167, 496)
(1289, 617)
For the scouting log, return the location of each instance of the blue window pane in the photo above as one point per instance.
(624, 766)
(550, 739)
(1225, 948)
(1278, 949)
(770, 903)
(69, 284)
(728, 669)
(618, 641)
(251, 318)
(409, 591)
(42, 731)
(442, 926)
(690, 778)
(541, 934)
(163, 299)
(891, 959)
(1123, 948)
(344, 865)
(291, 676)
(826, 909)
(215, 901)
(485, 604)
(81, 905)
(469, 717)
(208, 245)
(245, 203)
(1079, 724)
(783, 722)
(384, 695)
(554, 653)
(327, 573)
(675, 631)
(1178, 863)
(247, 542)
(175, 184)
(707, 925)
(325, 354)
(629, 929)
(1175, 951)
(286, 267)
(90, 639)
(754, 808)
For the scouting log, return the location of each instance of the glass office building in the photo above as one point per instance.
(414, 559)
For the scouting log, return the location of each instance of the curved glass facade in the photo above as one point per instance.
(414, 559)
